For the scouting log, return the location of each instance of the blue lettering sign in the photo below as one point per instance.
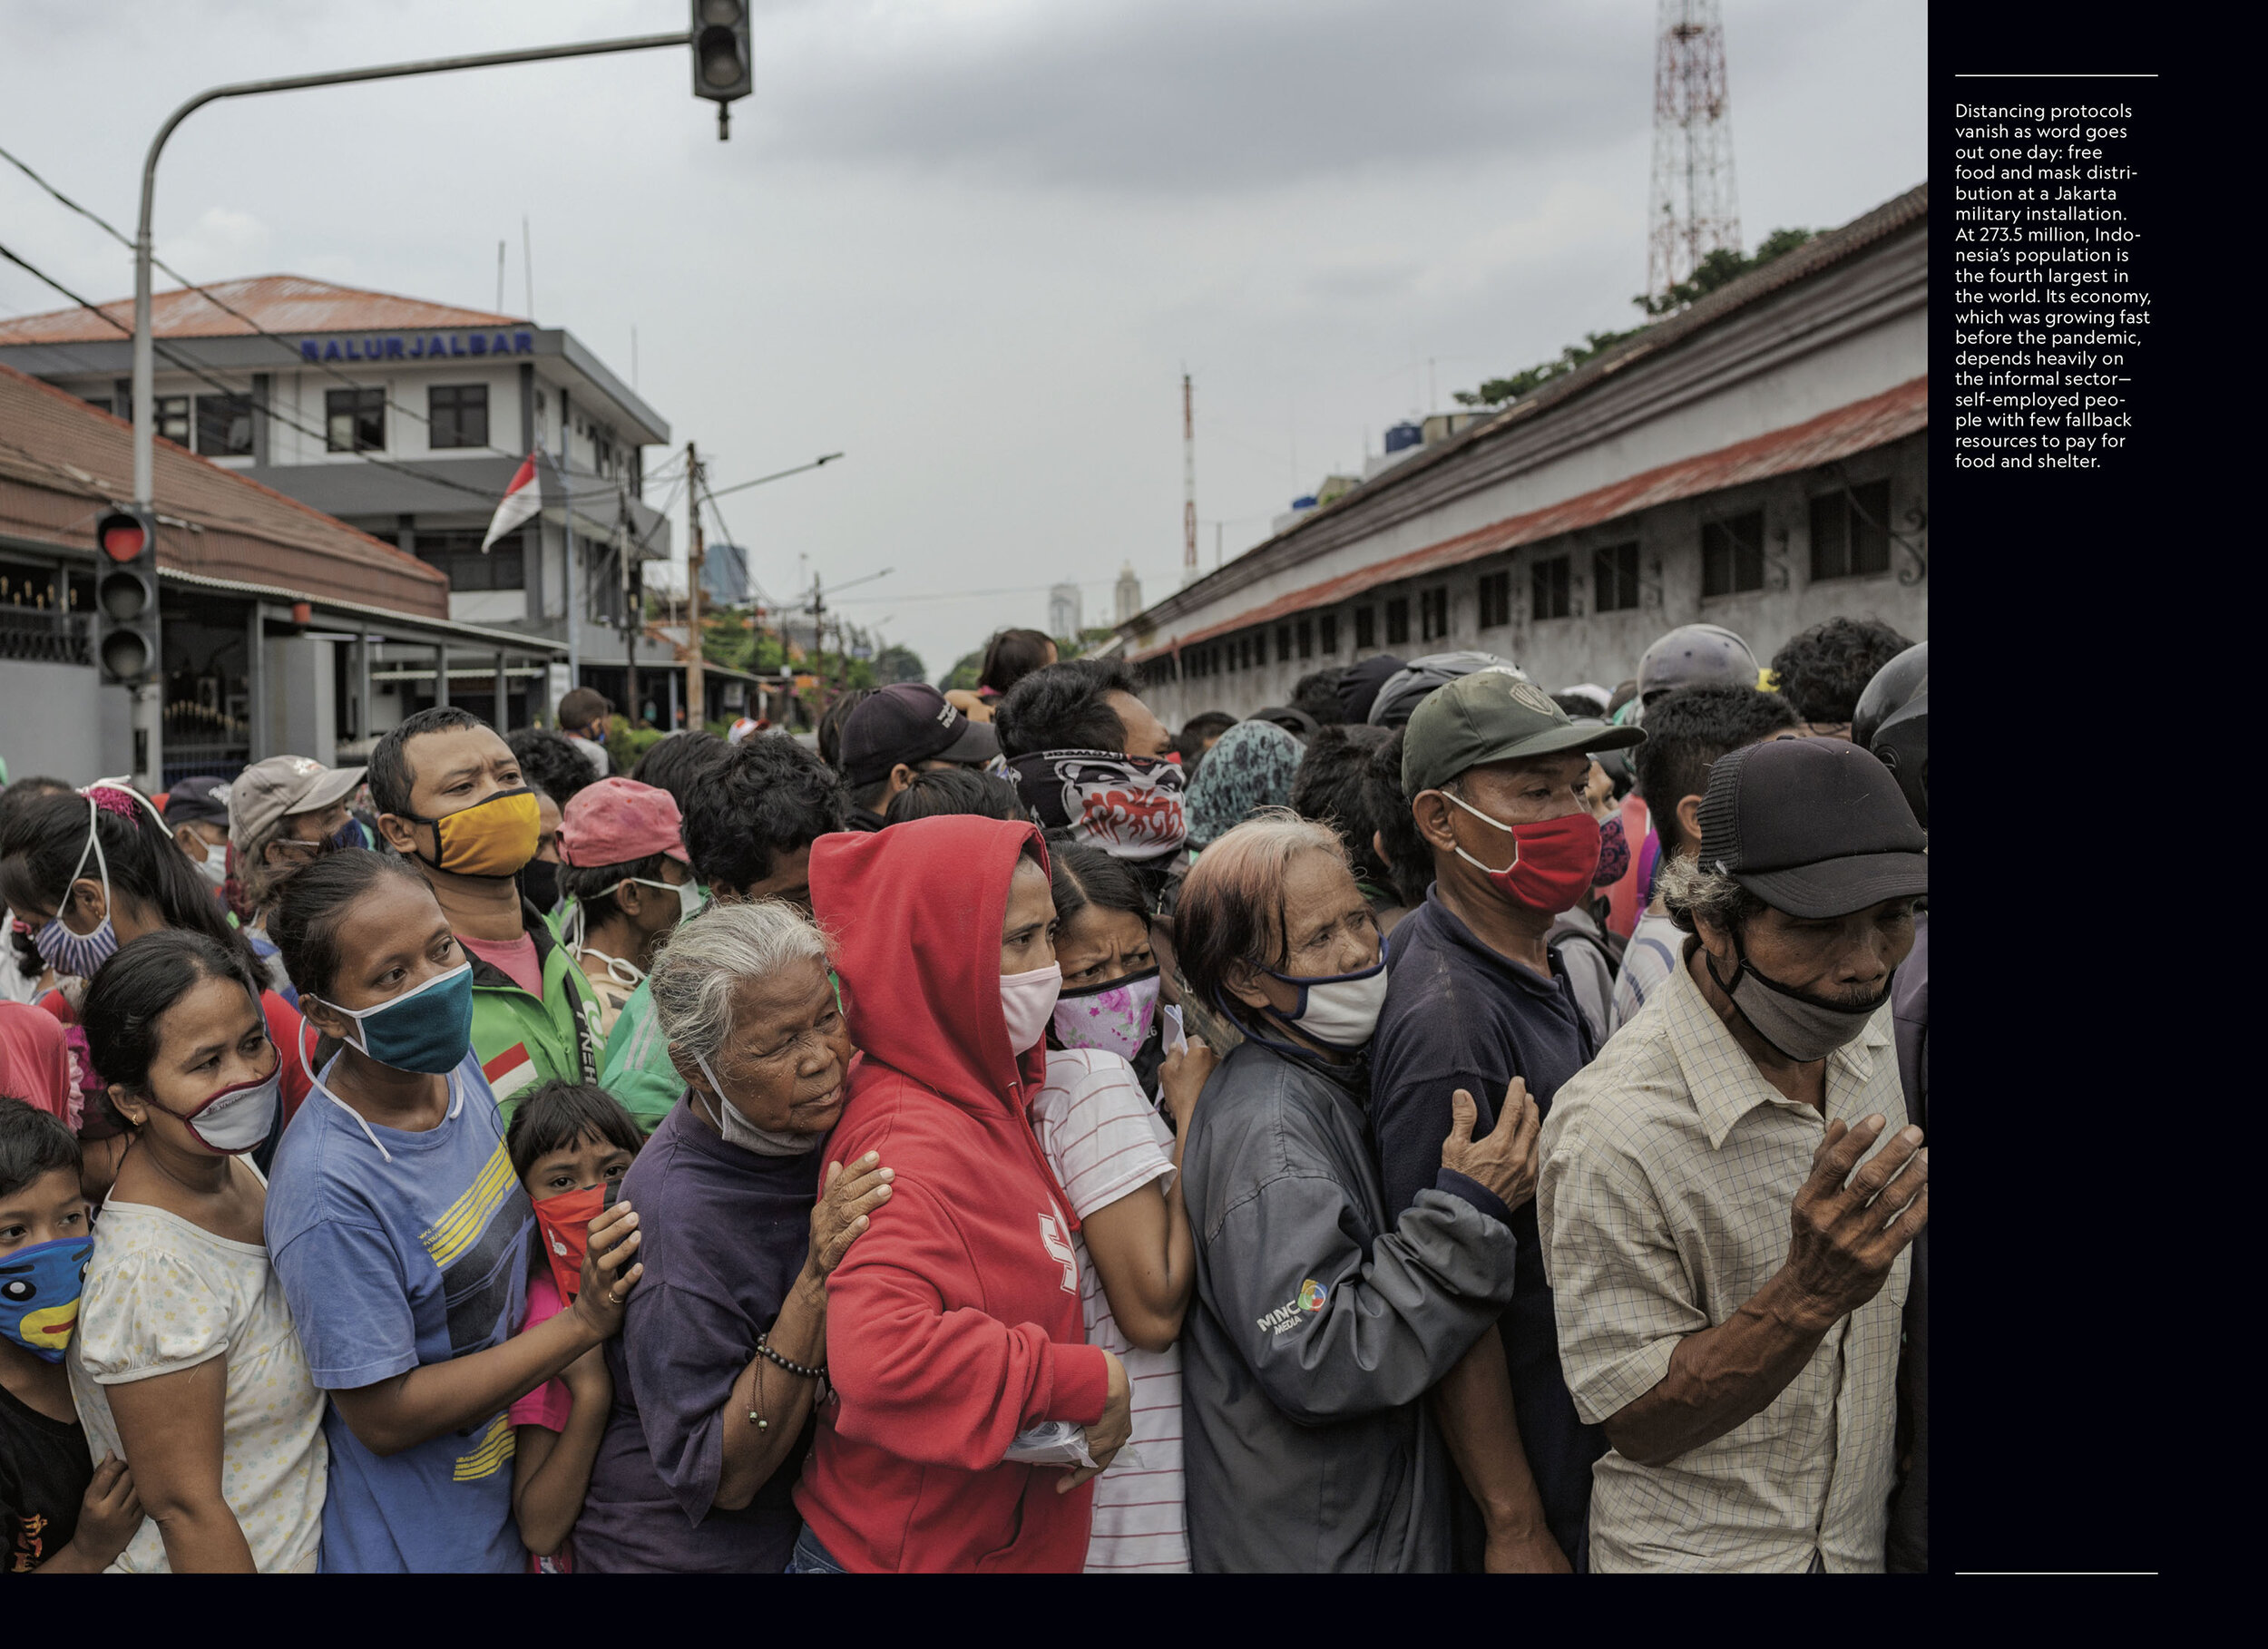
(457, 343)
(416, 347)
(480, 344)
(500, 346)
(307, 351)
(332, 351)
(393, 349)
(522, 344)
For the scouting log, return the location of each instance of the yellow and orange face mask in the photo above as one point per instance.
(494, 837)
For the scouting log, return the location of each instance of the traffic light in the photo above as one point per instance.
(723, 67)
(126, 598)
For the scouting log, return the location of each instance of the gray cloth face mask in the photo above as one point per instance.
(739, 1131)
(1801, 1027)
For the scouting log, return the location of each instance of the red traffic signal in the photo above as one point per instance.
(125, 535)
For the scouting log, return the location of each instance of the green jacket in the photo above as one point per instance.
(523, 1041)
(636, 1069)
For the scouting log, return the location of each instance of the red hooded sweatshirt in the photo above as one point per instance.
(954, 1322)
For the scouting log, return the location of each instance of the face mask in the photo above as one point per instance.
(1130, 806)
(1614, 852)
(1114, 1017)
(539, 883)
(1340, 1008)
(39, 1295)
(1028, 999)
(491, 838)
(1553, 859)
(739, 1131)
(564, 1223)
(688, 894)
(1801, 1027)
(213, 868)
(235, 1119)
(81, 954)
(427, 1029)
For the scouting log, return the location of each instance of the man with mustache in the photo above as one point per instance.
(1747, 1381)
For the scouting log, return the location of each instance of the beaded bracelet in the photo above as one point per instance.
(764, 1349)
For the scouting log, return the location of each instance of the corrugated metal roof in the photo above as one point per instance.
(1835, 435)
(277, 303)
(62, 462)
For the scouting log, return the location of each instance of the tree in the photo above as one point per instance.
(1719, 269)
(898, 662)
(963, 676)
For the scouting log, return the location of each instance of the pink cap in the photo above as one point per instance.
(619, 821)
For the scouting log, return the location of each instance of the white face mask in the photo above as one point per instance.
(238, 1118)
(739, 1131)
(689, 894)
(1340, 1009)
(1028, 1000)
(214, 866)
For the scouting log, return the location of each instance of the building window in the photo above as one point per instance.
(1365, 627)
(355, 420)
(1851, 532)
(1306, 639)
(459, 555)
(1331, 635)
(173, 423)
(107, 403)
(1433, 613)
(224, 426)
(1397, 621)
(1549, 594)
(1732, 554)
(1496, 599)
(459, 412)
(1614, 578)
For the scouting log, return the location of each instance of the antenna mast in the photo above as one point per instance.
(1695, 209)
(1188, 485)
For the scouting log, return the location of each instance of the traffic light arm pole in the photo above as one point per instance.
(145, 410)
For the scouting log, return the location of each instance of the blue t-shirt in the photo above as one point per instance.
(389, 1266)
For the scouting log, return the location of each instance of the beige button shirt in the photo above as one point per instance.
(1669, 1166)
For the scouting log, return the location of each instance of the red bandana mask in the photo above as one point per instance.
(1553, 859)
(564, 1225)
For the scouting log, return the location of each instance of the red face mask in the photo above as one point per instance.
(1553, 859)
(562, 1223)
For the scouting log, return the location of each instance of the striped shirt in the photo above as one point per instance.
(1669, 1166)
(1104, 1139)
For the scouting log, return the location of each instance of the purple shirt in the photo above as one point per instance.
(724, 1234)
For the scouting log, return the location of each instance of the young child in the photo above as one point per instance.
(569, 1141)
(60, 1513)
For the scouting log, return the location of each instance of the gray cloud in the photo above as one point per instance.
(1192, 95)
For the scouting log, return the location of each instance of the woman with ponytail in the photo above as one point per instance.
(93, 870)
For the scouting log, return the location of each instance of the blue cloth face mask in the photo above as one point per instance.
(39, 1295)
(427, 1029)
(80, 954)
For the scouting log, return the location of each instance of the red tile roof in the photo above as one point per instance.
(62, 462)
(1871, 423)
(278, 303)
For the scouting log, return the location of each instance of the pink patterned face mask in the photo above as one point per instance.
(1115, 1018)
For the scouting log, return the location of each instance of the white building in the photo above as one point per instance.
(1066, 612)
(1128, 599)
(1756, 460)
(406, 419)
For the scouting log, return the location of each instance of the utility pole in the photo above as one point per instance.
(1189, 483)
(695, 552)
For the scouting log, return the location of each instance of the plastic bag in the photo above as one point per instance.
(1060, 1443)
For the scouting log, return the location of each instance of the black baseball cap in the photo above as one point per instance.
(1813, 827)
(194, 800)
(910, 722)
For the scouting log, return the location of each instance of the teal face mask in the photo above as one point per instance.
(427, 1029)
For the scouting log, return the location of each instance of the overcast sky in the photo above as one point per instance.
(969, 243)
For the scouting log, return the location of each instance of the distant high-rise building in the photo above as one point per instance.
(1129, 594)
(1066, 616)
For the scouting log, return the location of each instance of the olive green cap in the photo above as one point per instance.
(1494, 716)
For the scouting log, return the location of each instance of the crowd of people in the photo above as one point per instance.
(1440, 1124)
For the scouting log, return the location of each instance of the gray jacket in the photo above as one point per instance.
(1319, 1328)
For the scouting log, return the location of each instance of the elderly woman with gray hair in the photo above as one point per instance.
(723, 1354)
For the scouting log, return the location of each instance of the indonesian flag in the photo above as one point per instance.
(521, 501)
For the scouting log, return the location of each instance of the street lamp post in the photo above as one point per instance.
(145, 431)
